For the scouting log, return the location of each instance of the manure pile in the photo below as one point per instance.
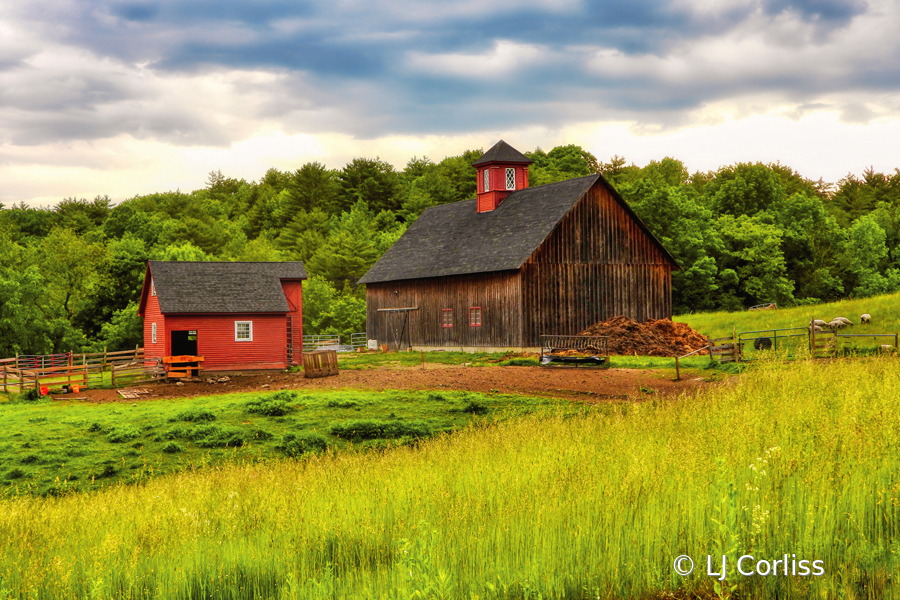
(650, 338)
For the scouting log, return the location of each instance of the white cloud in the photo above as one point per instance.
(502, 62)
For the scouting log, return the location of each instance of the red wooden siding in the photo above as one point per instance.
(215, 340)
(293, 291)
(152, 315)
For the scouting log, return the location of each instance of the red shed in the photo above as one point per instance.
(237, 315)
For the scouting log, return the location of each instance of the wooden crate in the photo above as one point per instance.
(320, 363)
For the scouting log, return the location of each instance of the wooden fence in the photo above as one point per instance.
(56, 370)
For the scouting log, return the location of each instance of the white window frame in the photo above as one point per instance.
(487, 180)
(249, 332)
(510, 178)
(153, 333)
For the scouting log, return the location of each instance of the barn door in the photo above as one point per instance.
(184, 343)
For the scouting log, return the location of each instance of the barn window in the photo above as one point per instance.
(447, 317)
(153, 333)
(475, 316)
(243, 331)
(152, 288)
(510, 179)
(487, 180)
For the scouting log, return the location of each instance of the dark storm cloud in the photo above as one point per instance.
(356, 56)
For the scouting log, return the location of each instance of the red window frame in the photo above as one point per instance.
(474, 316)
(446, 317)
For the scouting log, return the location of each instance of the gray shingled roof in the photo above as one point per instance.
(223, 287)
(454, 239)
(502, 152)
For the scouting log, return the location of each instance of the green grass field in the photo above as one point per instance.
(51, 447)
(800, 459)
(885, 311)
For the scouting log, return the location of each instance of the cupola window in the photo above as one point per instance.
(487, 180)
(510, 178)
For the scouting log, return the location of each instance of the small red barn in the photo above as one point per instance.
(237, 315)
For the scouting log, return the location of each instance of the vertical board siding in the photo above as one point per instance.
(598, 263)
(293, 292)
(498, 294)
(152, 315)
(215, 340)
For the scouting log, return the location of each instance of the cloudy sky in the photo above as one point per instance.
(126, 98)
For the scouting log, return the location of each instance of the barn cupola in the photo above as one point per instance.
(501, 171)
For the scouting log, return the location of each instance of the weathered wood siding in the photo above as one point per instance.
(498, 294)
(598, 263)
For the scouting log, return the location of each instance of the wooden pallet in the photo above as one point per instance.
(133, 393)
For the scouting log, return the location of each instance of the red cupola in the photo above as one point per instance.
(501, 171)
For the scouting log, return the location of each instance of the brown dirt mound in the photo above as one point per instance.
(651, 338)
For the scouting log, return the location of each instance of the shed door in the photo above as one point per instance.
(184, 343)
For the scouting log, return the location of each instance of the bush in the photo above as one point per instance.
(123, 434)
(298, 444)
(475, 407)
(15, 474)
(30, 395)
(341, 404)
(371, 429)
(194, 415)
(31, 459)
(172, 448)
(215, 436)
(276, 405)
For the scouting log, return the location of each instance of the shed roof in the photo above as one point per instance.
(222, 287)
(502, 152)
(454, 239)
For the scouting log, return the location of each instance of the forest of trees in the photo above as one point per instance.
(71, 275)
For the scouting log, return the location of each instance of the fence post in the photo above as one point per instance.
(734, 344)
(677, 371)
(136, 351)
(4, 380)
(17, 362)
(103, 366)
(112, 376)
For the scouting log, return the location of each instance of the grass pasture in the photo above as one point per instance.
(885, 311)
(800, 459)
(52, 447)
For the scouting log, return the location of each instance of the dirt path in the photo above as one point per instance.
(583, 384)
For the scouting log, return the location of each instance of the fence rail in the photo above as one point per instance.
(30, 371)
(315, 342)
(358, 340)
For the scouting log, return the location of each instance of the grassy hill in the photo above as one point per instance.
(885, 311)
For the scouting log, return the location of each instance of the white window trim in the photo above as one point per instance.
(487, 180)
(510, 185)
(243, 339)
(153, 333)
(152, 288)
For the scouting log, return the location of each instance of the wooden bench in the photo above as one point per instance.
(181, 367)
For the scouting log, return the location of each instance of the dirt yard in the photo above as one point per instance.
(587, 384)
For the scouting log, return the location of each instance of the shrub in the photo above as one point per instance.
(341, 404)
(298, 444)
(371, 429)
(95, 427)
(123, 434)
(194, 415)
(215, 436)
(276, 405)
(475, 407)
(16, 473)
(30, 395)
(172, 448)
(31, 459)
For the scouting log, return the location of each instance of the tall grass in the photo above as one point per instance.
(800, 459)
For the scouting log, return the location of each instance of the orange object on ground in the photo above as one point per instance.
(44, 390)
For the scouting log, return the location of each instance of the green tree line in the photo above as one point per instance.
(71, 275)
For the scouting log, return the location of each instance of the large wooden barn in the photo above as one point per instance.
(237, 315)
(514, 263)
